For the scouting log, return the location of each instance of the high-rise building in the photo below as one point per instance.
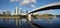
(16, 10)
(20, 11)
(26, 11)
(7, 12)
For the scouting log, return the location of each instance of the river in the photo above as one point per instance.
(11, 23)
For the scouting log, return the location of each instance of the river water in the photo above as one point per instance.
(51, 23)
(11, 23)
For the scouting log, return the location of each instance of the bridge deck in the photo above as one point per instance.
(47, 7)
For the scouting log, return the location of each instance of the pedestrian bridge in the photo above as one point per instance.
(51, 6)
(47, 7)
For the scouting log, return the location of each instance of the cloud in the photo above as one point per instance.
(33, 6)
(34, 1)
(23, 2)
(14, 0)
(17, 0)
(1, 11)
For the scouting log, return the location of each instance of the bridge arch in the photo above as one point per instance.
(47, 7)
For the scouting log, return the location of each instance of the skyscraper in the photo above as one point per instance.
(16, 10)
(6, 12)
(21, 11)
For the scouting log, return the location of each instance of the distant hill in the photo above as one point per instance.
(44, 16)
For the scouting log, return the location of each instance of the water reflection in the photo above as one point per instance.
(52, 23)
(48, 23)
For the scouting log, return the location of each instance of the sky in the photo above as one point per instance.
(28, 5)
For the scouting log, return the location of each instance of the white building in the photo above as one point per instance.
(16, 10)
(6, 12)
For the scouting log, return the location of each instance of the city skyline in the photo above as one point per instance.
(26, 5)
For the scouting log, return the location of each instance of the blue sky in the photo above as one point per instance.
(12, 4)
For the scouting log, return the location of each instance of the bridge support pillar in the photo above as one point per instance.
(29, 17)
